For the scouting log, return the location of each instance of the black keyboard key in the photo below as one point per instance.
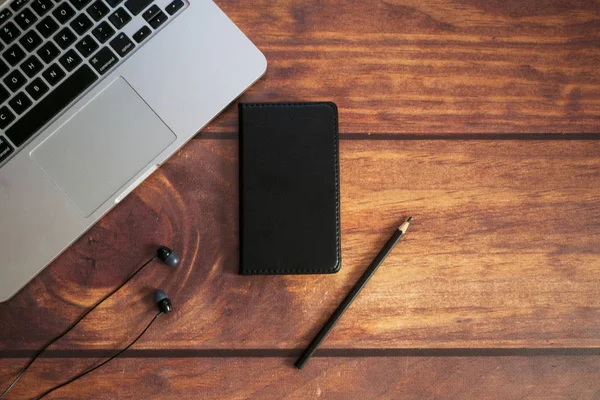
(14, 54)
(158, 20)
(113, 3)
(9, 32)
(79, 4)
(51, 105)
(81, 24)
(70, 60)
(86, 46)
(5, 148)
(103, 60)
(15, 80)
(48, 52)
(137, 6)
(47, 26)
(119, 18)
(98, 10)
(3, 69)
(25, 18)
(151, 12)
(30, 41)
(5, 14)
(17, 4)
(64, 38)
(173, 7)
(142, 34)
(41, 7)
(31, 66)
(4, 95)
(36, 88)
(103, 32)
(20, 103)
(122, 44)
(6, 117)
(53, 74)
(63, 12)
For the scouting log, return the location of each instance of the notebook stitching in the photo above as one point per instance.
(263, 105)
(337, 190)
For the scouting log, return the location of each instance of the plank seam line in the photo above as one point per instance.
(446, 137)
(323, 353)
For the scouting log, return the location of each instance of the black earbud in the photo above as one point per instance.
(161, 299)
(163, 302)
(168, 256)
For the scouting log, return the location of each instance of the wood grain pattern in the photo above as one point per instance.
(327, 378)
(433, 67)
(503, 252)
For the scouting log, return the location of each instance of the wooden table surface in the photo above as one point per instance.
(480, 118)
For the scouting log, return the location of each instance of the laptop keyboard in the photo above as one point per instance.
(52, 51)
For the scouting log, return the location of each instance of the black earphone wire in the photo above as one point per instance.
(73, 325)
(102, 363)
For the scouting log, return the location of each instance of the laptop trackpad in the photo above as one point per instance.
(103, 146)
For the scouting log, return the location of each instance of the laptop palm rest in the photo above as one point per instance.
(93, 155)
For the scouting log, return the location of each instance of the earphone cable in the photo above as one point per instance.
(102, 363)
(73, 325)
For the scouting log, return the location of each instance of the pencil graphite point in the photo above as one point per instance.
(405, 225)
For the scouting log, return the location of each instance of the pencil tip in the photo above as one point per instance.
(405, 225)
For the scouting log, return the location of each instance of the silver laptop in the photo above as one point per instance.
(94, 96)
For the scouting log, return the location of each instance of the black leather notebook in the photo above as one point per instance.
(289, 189)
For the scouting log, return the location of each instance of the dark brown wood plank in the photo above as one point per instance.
(447, 66)
(503, 252)
(327, 378)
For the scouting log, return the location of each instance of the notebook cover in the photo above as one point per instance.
(289, 188)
